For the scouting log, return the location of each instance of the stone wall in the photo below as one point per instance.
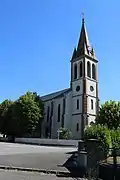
(95, 152)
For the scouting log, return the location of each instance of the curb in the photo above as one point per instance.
(55, 172)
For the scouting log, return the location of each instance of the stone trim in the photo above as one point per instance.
(86, 95)
(82, 114)
(84, 100)
(97, 102)
(92, 115)
(82, 56)
(76, 113)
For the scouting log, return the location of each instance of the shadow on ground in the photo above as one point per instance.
(72, 165)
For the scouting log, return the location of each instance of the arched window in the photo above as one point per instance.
(93, 71)
(75, 71)
(88, 69)
(91, 104)
(81, 69)
(48, 110)
(58, 112)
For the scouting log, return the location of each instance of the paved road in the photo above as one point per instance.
(29, 156)
(10, 148)
(12, 175)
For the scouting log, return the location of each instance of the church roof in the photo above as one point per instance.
(54, 95)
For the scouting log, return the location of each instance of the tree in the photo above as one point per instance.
(65, 133)
(109, 114)
(6, 123)
(27, 113)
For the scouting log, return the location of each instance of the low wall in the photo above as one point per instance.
(3, 139)
(50, 142)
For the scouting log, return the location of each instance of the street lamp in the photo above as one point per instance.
(59, 131)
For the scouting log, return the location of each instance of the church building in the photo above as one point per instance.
(77, 106)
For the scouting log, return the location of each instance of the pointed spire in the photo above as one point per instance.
(74, 53)
(84, 47)
(83, 40)
(93, 53)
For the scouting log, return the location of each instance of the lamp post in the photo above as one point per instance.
(59, 131)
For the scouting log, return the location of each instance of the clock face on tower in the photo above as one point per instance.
(91, 88)
(78, 88)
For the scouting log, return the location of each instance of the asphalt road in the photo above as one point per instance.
(30, 156)
(14, 175)
(10, 148)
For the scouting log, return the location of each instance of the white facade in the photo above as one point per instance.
(74, 108)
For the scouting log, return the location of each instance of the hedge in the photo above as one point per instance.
(108, 138)
(115, 137)
(101, 133)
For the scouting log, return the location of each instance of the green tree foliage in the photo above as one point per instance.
(109, 114)
(6, 123)
(22, 116)
(65, 133)
(101, 133)
(115, 137)
(27, 112)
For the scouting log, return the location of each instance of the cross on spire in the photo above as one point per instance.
(82, 17)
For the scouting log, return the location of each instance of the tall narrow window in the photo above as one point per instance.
(58, 112)
(48, 110)
(81, 69)
(62, 119)
(75, 71)
(91, 104)
(88, 69)
(77, 127)
(93, 71)
(64, 106)
(52, 108)
(77, 103)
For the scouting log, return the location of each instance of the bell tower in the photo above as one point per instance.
(84, 84)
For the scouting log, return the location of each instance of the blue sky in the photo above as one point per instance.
(37, 38)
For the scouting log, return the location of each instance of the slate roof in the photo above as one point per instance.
(54, 95)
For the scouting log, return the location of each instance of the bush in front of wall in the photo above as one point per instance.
(101, 133)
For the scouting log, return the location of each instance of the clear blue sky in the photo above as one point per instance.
(37, 38)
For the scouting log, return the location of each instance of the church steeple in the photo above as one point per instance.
(84, 84)
(84, 47)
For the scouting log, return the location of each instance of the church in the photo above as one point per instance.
(76, 107)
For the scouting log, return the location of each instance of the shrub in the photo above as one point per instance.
(65, 133)
(101, 133)
(115, 137)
